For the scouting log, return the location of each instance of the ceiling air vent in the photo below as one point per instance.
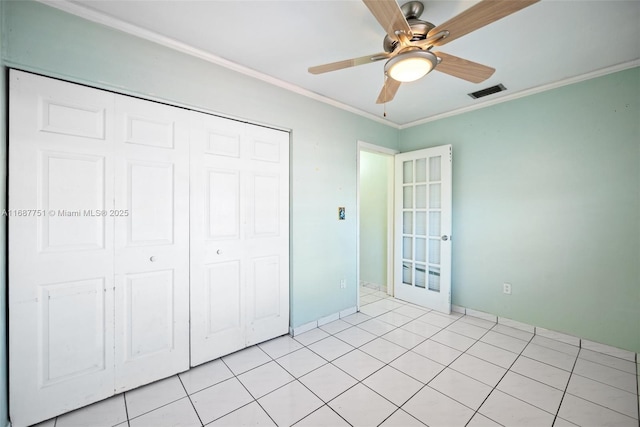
(488, 91)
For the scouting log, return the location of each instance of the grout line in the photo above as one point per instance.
(190, 401)
(247, 390)
(385, 364)
(323, 405)
(603, 383)
(564, 393)
(157, 407)
(501, 378)
(330, 362)
(126, 409)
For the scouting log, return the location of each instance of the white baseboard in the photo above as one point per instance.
(322, 321)
(376, 286)
(482, 315)
(458, 309)
(557, 336)
(567, 339)
(516, 325)
(328, 319)
(348, 312)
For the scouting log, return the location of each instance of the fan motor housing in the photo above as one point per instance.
(419, 28)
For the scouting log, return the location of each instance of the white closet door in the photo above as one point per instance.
(217, 264)
(239, 236)
(267, 238)
(152, 242)
(60, 256)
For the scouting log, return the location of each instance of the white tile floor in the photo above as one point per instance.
(392, 364)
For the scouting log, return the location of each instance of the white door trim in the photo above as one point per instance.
(389, 153)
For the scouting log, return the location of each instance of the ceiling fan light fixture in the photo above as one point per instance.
(411, 65)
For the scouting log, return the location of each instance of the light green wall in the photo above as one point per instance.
(373, 217)
(546, 196)
(546, 188)
(324, 139)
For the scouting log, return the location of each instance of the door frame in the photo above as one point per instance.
(389, 153)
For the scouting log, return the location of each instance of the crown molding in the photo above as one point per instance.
(109, 21)
(527, 92)
(117, 24)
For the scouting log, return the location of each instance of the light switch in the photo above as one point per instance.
(341, 214)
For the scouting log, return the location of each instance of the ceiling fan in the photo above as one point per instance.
(409, 42)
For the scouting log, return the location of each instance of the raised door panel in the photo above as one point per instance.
(72, 192)
(70, 117)
(222, 204)
(152, 242)
(60, 250)
(72, 330)
(265, 283)
(265, 214)
(149, 311)
(225, 308)
(150, 201)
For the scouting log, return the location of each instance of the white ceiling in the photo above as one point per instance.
(546, 43)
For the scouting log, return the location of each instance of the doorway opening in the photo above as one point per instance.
(375, 188)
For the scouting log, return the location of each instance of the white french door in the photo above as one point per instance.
(422, 266)
(239, 236)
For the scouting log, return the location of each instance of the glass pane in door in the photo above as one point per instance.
(434, 223)
(421, 223)
(407, 222)
(407, 172)
(420, 276)
(407, 197)
(407, 248)
(434, 196)
(434, 168)
(434, 279)
(421, 196)
(434, 251)
(407, 270)
(421, 250)
(421, 170)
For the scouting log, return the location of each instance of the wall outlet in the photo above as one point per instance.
(506, 288)
(343, 284)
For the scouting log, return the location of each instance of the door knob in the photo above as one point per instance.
(152, 259)
(219, 251)
(445, 238)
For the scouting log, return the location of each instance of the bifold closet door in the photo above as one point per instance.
(239, 236)
(98, 245)
(61, 287)
(152, 241)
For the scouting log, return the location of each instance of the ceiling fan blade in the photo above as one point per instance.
(388, 91)
(319, 69)
(477, 16)
(463, 68)
(389, 15)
